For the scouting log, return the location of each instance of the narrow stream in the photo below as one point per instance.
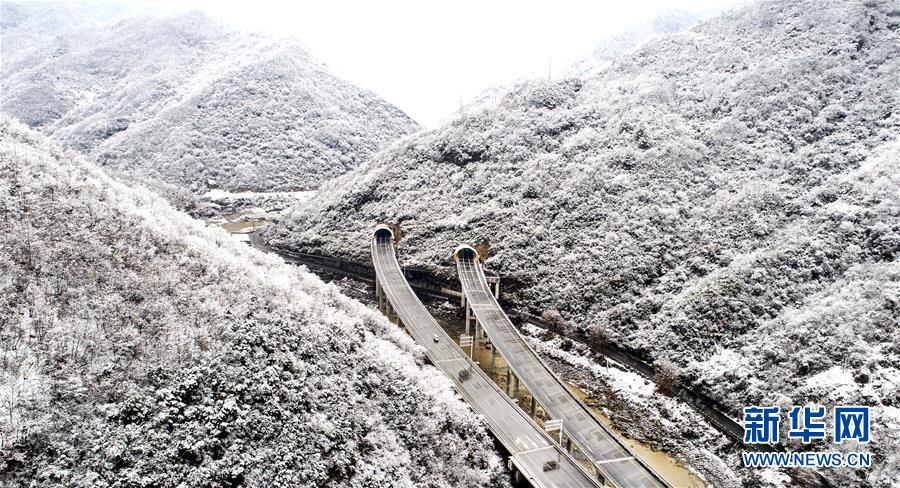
(661, 462)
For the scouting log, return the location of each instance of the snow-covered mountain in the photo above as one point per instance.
(141, 348)
(606, 52)
(726, 198)
(186, 100)
(668, 22)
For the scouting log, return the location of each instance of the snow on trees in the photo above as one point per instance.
(140, 347)
(704, 193)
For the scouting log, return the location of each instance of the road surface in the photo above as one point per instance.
(699, 402)
(529, 446)
(609, 455)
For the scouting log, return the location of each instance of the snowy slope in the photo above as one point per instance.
(607, 51)
(706, 198)
(188, 101)
(141, 348)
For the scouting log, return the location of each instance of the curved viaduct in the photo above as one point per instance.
(611, 458)
(533, 454)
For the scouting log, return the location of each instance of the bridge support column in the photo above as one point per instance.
(378, 291)
(512, 386)
(494, 282)
(533, 407)
(389, 311)
(379, 295)
(517, 475)
(493, 360)
(476, 351)
(568, 445)
(508, 380)
(468, 318)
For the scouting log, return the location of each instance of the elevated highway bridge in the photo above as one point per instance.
(535, 457)
(613, 461)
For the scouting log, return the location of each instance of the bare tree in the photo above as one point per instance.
(597, 334)
(555, 321)
(667, 374)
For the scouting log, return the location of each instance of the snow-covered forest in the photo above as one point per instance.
(141, 348)
(726, 199)
(718, 197)
(185, 100)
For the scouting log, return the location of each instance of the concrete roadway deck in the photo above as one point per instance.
(529, 446)
(609, 454)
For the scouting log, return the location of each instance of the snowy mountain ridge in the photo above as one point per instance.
(187, 101)
(607, 51)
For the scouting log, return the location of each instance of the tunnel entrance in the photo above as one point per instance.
(465, 252)
(383, 233)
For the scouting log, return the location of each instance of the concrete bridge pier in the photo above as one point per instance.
(517, 475)
(512, 384)
(379, 295)
(384, 306)
(390, 313)
(378, 292)
(493, 361)
(479, 331)
(476, 347)
(494, 283)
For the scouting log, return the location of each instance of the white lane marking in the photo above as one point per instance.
(537, 449)
(607, 461)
